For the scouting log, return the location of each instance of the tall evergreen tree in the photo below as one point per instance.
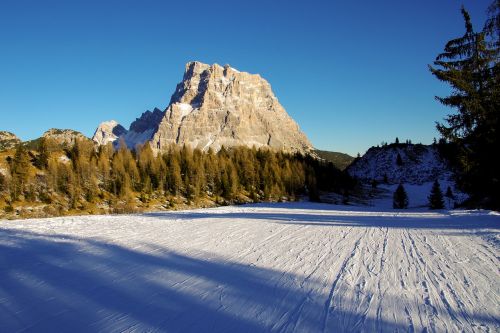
(470, 65)
(3, 182)
(436, 196)
(399, 160)
(42, 160)
(400, 198)
(174, 175)
(449, 196)
(20, 168)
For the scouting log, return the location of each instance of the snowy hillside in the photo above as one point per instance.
(298, 267)
(418, 164)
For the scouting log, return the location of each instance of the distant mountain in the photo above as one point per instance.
(60, 137)
(64, 136)
(340, 160)
(215, 106)
(8, 140)
(108, 131)
(416, 164)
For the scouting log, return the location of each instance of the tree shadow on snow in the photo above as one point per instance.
(51, 282)
(401, 219)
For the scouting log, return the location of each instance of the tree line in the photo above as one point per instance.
(81, 175)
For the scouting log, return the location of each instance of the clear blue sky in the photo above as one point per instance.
(351, 73)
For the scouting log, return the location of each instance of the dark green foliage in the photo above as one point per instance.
(399, 161)
(469, 64)
(436, 196)
(42, 159)
(3, 182)
(449, 196)
(449, 193)
(19, 169)
(385, 180)
(339, 160)
(400, 198)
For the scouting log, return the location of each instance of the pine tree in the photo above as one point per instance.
(3, 182)
(385, 179)
(20, 167)
(42, 160)
(399, 160)
(312, 185)
(104, 165)
(450, 196)
(174, 176)
(470, 65)
(436, 196)
(400, 198)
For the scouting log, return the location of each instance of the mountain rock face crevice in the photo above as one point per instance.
(215, 106)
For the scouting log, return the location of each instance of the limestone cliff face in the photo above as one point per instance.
(215, 106)
(108, 131)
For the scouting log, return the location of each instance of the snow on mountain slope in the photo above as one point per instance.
(298, 267)
(419, 164)
(108, 131)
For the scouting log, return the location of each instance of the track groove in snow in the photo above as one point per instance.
(282, 268)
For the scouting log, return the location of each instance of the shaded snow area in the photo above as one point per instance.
(419, 164)
(418, 195)
(298, 267)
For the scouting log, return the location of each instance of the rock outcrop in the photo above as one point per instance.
(108, 131)
(143, 128)
(8, 140)
(64, 137)
(217, 106)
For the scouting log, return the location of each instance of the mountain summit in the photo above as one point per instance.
(215, 106)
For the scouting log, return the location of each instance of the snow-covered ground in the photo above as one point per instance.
(418, 195)
(285, 267)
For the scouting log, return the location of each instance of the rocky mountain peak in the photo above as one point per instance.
(108, 131)
(147, 120)
(217, 105)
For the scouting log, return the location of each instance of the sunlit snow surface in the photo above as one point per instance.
(278, 267)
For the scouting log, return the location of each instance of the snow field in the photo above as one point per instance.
(297, 267)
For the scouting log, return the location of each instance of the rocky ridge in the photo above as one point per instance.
(215, 106)
(65, 137)
(8, 140)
